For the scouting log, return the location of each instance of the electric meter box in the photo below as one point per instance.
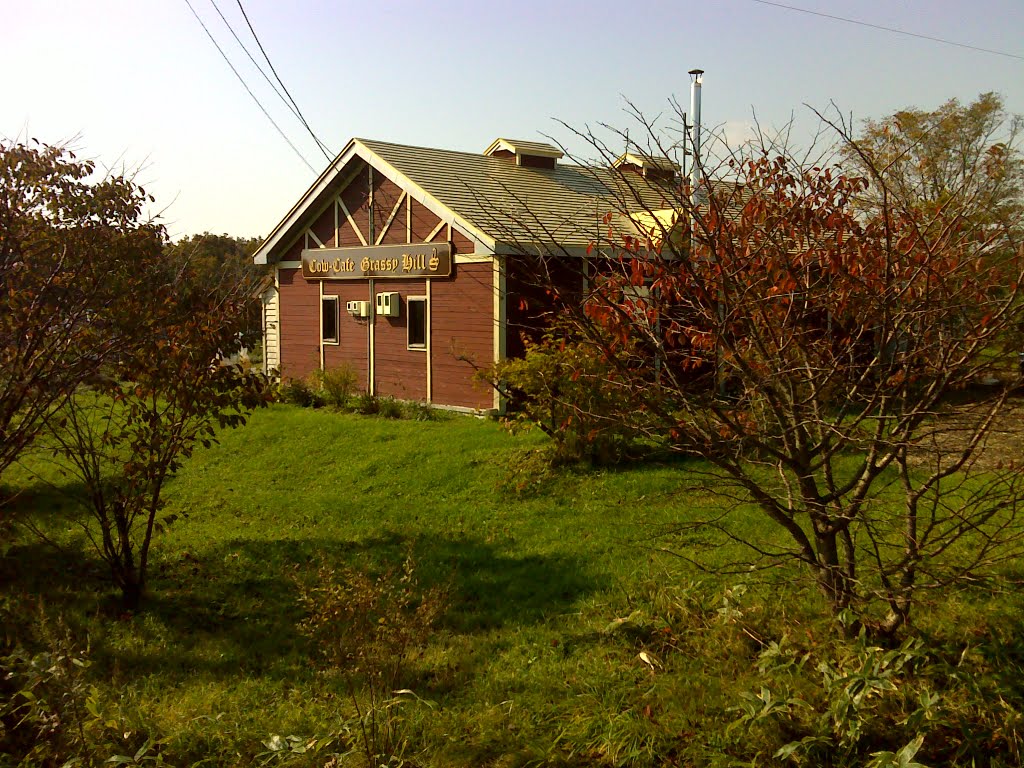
(388, 304)
(358, 308)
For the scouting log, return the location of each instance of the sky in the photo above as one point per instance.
(138, 85)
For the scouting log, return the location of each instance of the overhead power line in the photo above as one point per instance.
(891, 29)
(323, 148)
(255, 63)
(248, 90)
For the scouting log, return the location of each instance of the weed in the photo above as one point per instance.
(50, 713)
(853, 704)
(367, 626)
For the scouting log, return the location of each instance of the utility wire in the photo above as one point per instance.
(248, 90)
(891, 29)
(256, 64)
(323, 147)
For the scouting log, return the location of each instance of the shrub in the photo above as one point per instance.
(420, 411)
(336, 385)
(299, 392)
(368, 626)
(367, 404)
(528, 472)
(390, 408)
(563, 387)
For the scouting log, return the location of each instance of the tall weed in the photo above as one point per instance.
(367, 626)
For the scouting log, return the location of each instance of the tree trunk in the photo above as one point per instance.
(132, 588)
(832, 578)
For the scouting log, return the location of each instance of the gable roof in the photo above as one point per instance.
(501, 206)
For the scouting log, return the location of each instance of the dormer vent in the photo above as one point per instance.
(529, 154)
(651, 167)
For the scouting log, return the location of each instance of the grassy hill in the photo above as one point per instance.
(571, 627)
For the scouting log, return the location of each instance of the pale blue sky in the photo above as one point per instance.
(141, 85)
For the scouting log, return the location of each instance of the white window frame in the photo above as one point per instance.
(426, 323)
(326, 298)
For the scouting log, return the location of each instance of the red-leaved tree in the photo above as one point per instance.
(839, 366)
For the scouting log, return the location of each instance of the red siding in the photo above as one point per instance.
(462, 335)
(462, 243)
(385, 196)
(294, 253)
(461, 308)
(353, 332)
(357, 200)
(398, 371)
(323, 228)
(300, 325)
(423, 222)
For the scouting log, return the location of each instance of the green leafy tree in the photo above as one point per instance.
(113, 344)
(208, 254)
(69, 245)
(956, 155)
(222, 259)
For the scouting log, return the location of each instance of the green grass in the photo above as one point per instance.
(522, 669)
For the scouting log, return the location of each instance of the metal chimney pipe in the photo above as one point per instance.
(695, 168)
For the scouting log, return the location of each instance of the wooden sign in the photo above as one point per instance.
(381, 262)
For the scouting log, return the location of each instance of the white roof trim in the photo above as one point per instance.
(481, 241)
(316, 189)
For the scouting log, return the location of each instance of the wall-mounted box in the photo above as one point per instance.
(388, 304)
(358, 308)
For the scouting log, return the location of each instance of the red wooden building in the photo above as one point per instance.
(409, 263)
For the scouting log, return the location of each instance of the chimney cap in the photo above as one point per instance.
(696, 72)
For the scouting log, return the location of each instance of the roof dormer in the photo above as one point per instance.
(654, 167)
(529, 154)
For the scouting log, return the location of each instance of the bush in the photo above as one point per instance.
(367, 404)
(420, 411)
(337, 385)
(390, 408)
(299, 392)
(563, 387)
(528, 472)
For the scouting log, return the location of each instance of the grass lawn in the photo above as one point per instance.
(529, 663)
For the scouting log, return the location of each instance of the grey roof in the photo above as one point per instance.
(502, 206)
(516, 205)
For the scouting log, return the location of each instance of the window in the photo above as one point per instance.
(417, 322)
(329, 319)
